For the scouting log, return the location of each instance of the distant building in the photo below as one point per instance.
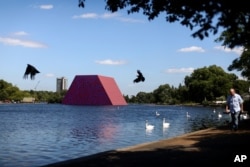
(61, 84)
(28, 100)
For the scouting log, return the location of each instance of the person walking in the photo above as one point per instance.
(235, 107)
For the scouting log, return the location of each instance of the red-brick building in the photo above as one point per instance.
(93, 90)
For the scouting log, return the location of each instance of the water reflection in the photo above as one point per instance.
(165, 131)
(149, 132)
(104, 131)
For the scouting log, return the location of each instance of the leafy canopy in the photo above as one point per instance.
(242, 64)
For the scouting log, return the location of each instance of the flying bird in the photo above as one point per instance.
(81, 3)
(30, 70)
(139, 78)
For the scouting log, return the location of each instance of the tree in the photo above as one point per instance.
(206, 15)
(3, 92)
(126, 97)
(143, 97)
(209, 83)
(9, 92)
(182, 93)
(133, 99)
(163, 94)
(242, 64)
(241, 86)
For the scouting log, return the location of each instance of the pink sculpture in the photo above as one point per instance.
(93, 90)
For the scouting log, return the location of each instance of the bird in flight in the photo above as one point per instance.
(139, 78)
(81, 3)
(30, 70)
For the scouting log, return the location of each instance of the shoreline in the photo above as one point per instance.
(210, 146)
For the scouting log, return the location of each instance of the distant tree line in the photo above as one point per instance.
(10, 93)
(204, 85)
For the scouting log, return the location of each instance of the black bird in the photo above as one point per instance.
(81, 3)
(30, 70)
(139, 78)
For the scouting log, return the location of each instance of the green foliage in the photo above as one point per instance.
(165, 94)
(209, 82)
(56, 97)
(143, 97)
(242, 63)
(241, 86)
(8, 92)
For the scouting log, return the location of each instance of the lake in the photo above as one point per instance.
(40, 134)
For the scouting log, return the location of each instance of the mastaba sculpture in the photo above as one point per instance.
(93, 90)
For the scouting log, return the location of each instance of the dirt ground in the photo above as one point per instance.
(213, 146)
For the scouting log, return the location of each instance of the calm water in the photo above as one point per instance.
(40, 134)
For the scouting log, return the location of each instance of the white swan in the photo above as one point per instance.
(148, 126)
(188, 115)
(214, 111)
(244, 116)
(165, 124)
(157, 114)
(219, 115)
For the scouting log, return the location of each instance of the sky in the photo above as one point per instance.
(62, 40)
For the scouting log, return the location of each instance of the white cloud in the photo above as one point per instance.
(237, 50)
(20, 33)
(110, 62)
(180, 70)
(46, 7)
(49, 75)
(86, 16)
(20, 42)
(130, 20)
(107, 16)
(192, 49)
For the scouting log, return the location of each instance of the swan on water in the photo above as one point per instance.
(157, 114)
(188, 115)
(148, 126)
(243, 116)
(165, 124)
(219, 115)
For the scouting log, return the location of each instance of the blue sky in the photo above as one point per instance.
(62, 40)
